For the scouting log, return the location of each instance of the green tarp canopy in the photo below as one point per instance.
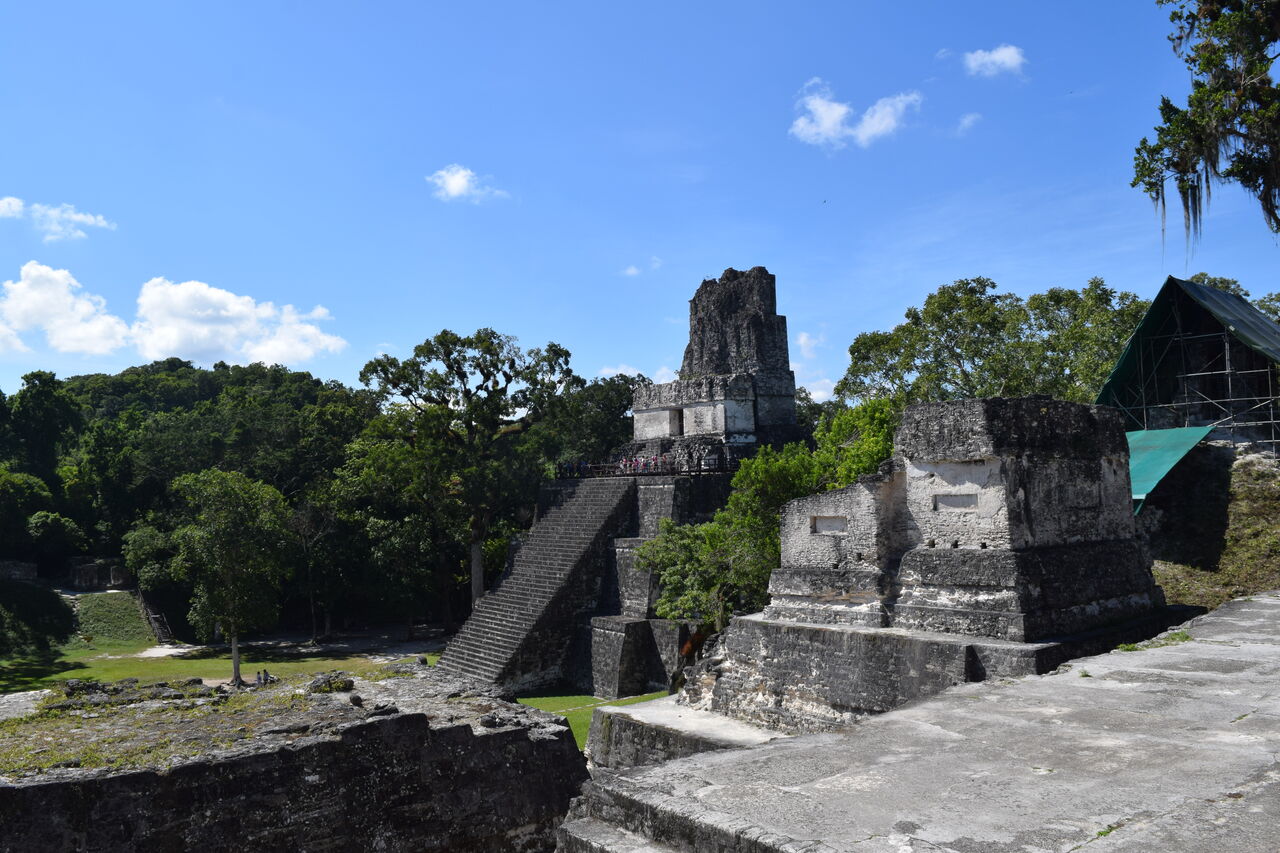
(1154, 452)
(1237, 315)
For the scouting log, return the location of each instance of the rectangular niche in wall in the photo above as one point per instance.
(832, 524)
(955, 503)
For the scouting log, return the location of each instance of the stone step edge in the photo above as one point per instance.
(591, 835)
(689, 826)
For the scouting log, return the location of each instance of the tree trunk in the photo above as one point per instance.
(477, 570)
(311, 601)
(235, 660)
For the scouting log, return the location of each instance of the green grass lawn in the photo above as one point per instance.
(111, 660)
(577, 709)
(112, 632)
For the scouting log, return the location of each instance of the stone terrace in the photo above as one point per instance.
(1172, 747)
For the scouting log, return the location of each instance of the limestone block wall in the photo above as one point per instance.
(839, 554)
(403, 782)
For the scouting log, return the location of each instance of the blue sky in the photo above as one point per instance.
(315, 183)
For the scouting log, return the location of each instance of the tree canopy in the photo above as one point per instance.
(968, 340)
(1230, 127)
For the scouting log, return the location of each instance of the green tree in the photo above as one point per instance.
(475, 396)
(1230, 128)
(44, 418)
(21, 495)
(54, 538)
(713, 569)
(231, 549)
(969, 341)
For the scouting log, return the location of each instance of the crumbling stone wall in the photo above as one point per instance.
(425, 773)
(998, 541)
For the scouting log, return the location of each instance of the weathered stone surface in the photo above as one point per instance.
(662, 730)
(734, 326)
(998, 522)
(1169, 748)
(736, 388)
(412, 770)
(17, 570)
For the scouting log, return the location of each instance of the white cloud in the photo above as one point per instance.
(820, 389)
(458, 182)
(52, 301)
(631, 270)
(809, 343)
(664, 374)
(60, 222)
(620, 370)
(943, 53)
(654, 262)
(826, 120)
(988, 63)
(194, 320)
(966, 123)
(64, 222)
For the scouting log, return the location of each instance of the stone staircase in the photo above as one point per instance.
(615, 816)
(518, 634)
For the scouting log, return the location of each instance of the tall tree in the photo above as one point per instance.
(475, 395)
(969, 341)
(1230, 128)
(231, 548)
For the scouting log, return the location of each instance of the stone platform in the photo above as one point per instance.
(1170, 748)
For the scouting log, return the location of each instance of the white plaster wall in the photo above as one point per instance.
(972, 510)
(652, 424)
(704, 418)
(866, 514)
(739, 416)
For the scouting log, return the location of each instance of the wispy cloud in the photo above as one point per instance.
(1005, 59)
(54, 222)
(455, 182)
(654, 262)
(809, 343)
(664, 374)
(619, 370)
(828, 122)
(631, 270)
(966, 123)
(943, 53)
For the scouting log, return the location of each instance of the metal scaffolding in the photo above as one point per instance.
(1192, 371)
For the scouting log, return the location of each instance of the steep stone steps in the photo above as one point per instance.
(518, 628)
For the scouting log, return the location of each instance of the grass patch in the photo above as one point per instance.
(1249, 561)
(577, 709)
(112, 616)
(126, 736)
(112, 660)
(1171, 639)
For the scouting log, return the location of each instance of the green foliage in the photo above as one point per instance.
(969, 341)
(21, 496)
(43, 418)
(112, 616)
(54, 537)
(231, 549)
(32, 618)
(1230, 128)
(471, 401)
(854, 441)
(713, 569)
